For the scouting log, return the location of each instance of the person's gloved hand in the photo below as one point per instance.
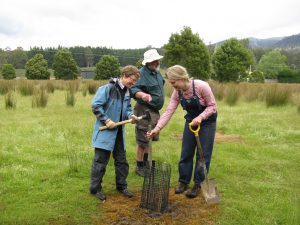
(146, 97)
(134, 119)
(110, 124)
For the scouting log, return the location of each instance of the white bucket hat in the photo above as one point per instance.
(150, 56)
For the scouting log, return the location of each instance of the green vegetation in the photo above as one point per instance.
(272, 63)
(37, 68)
(231, 60)
(107, 66)
(65, 66)
(45, 159)
(8, 72)
(188, 50)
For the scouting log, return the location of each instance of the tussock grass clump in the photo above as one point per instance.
(26, 87)
(218, 90)
(251, 92)
(6, 86)
(39, 97)
(84, 90)
(73, 85)
(277, 95)
(10, 100)
(232, 94)
(70, 98)
(73, 159)
(50, 86)
(92, 87)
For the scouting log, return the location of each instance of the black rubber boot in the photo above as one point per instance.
(192, 193)
(181, 188)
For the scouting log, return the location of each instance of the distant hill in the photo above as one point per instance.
(287, 42)
(264, 43)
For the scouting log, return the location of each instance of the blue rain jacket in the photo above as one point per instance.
(107, 103)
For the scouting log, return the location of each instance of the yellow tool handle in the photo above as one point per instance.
(196, 131)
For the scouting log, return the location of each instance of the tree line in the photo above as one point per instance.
(232, 60)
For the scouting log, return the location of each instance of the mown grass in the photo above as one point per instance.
(45, 159)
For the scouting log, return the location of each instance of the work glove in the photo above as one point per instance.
(146, 97)
(134, 119)
(110, 124)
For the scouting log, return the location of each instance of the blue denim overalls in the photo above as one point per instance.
(206, 136)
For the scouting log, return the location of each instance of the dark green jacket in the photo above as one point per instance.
(152, 83)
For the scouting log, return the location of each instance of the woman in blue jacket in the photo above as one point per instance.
(112, 104)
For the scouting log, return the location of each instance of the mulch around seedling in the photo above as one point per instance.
(119, 210)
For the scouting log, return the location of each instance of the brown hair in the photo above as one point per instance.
(129, 71)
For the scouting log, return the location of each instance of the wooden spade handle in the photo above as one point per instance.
(121, 123)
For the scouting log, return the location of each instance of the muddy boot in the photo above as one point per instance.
(181, 188)
(101, 195)
(126, 193)
(192, 193)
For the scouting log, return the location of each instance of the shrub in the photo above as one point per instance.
(10, 101)
(64, 65)
(37, 68)
(107, 67)
(289, 76)
(8, 71)
(257, 77)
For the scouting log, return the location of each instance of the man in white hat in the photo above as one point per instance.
(149, 94)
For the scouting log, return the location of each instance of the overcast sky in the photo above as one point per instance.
(137, 23)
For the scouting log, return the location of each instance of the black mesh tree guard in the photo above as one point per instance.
(155, 193)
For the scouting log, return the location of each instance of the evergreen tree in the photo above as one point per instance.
(64, 65)
(8, 71)
(188, 50)
(37, 68)
(107, 67)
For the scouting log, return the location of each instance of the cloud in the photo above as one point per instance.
(131, 24)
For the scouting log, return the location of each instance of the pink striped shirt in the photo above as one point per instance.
(205, 95)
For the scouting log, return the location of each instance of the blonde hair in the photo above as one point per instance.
(177, 72)
(129, 71)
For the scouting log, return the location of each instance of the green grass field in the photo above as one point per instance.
(45, 160)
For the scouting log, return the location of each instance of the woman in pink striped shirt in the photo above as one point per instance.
(196, 97)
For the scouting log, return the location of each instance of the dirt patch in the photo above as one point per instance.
(219, 138)
(230, 138)
(119, 210)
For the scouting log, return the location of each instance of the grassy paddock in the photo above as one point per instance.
(45, 159)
